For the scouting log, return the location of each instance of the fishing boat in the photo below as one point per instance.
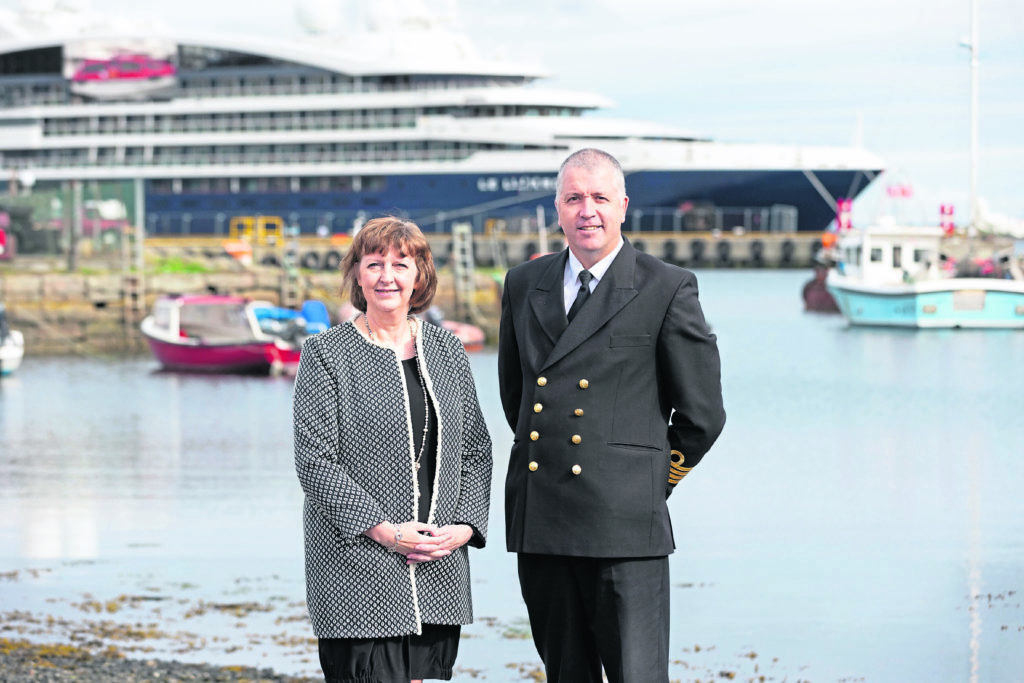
(891, 275)
(324, 131)
(12, 345)
(216, 333)
(906, 276)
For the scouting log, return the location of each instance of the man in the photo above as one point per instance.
(610, 410)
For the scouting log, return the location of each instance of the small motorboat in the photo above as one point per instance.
(12, 345)
(471, 336)
(290, 326)
(817, 298)
(215, 333)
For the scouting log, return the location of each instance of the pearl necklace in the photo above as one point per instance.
(422, 381)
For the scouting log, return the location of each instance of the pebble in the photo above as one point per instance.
(23, 661)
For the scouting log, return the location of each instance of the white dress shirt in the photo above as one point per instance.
(571, 279)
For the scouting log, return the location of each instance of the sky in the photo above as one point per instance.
(891, 75)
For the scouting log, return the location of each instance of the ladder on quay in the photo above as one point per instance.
(133, 301)
(463, 273)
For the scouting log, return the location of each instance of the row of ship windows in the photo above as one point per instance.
(427, 151)
(18, 93)
(221, 185)
(235, 122)
(241, 122)
(325, 84)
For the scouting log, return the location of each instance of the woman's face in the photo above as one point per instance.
(387, 281)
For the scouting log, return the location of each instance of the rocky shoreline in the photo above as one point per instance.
(21, 660)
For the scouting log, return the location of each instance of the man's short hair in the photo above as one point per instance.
(590, 158)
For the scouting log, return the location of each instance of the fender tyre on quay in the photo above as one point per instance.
(788, 250)
(724, 251)
(310, 260)
(757, 253)
(332, 260)
(697, 248)
(669, 252)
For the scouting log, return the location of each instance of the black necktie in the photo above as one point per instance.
(581, 296)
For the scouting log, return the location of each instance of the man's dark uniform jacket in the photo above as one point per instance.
(599, 405)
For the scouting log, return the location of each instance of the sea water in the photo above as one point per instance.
(861, 517)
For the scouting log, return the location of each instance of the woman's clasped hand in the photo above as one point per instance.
(421, 542)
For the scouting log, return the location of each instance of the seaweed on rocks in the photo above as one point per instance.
(21, 660)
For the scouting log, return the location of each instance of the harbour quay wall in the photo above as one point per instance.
(66, 313)
(685, 248)
(63, 313)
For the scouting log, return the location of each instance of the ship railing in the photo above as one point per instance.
(191, 87)
(232, 124)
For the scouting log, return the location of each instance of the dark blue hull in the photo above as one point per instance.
(659, 200)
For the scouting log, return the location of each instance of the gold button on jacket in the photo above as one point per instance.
(541, 381)
(578, 412)
(576, 469)
(534, 466)
(584, 384)
(537, 407)
(576, 438)
(534, 436)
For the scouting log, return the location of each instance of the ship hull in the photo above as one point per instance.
(659, 201)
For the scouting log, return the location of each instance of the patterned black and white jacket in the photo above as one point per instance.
(354, 458)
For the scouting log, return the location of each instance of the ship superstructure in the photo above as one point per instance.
(327, 132)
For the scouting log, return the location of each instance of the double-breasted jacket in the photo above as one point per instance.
(598, 405)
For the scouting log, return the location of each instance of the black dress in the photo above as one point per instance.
(428, 460)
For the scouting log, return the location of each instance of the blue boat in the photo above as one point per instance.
(895, 276)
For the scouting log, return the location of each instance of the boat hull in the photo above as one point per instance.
(246, 357)
(11, 352)
(951, 303)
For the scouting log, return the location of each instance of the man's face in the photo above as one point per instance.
(591, 209)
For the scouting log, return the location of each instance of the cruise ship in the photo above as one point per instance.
(327, 131)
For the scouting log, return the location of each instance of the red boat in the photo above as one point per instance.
(471, 336)
(215, 333)
(816, 296)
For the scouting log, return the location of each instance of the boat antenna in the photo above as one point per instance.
(972, 45)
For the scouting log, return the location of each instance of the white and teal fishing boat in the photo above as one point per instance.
(889, 275)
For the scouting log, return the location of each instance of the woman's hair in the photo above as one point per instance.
(380, 236)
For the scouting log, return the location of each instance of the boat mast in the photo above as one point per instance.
(973, 47)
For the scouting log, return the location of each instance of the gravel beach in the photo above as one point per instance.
(21, 660)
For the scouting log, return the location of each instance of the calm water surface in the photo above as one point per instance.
(861, 518)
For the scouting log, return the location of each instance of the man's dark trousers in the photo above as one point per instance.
(588, 611)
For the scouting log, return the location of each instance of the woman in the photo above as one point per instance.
(395, 461)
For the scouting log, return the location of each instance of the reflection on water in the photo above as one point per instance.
(860, 517)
